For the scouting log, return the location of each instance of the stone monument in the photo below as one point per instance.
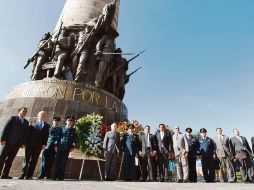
(74, 67)
(77, 69)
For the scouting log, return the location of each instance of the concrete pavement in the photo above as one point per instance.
(16, 184)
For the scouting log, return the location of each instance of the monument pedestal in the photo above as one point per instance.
(62, 98)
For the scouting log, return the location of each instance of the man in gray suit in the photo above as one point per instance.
(147, 152)
(111, 146)
(181, 150)
(224, 154)
(242, 153)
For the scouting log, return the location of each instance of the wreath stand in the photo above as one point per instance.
(83, 165)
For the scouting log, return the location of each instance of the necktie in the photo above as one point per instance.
(177, 136)
(221, 138)
(148, 140)
(21, 120)
(40, 125)
(162, 136)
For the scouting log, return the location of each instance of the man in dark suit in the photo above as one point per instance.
(111, 146)
(164, 144)
(49, 154)
(37, 140)
(66, 143)
(130, 150)
(147, 153)
(242, 153)
(14, 136)
(193, 149)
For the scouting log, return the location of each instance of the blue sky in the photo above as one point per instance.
(198, 70)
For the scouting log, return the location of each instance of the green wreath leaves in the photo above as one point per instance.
(89, 136)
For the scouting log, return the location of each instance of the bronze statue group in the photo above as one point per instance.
(145, 157)
(84, 53)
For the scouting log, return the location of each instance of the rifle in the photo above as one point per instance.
(129, 75)
(136, 56)
(111, 53)
(92, 32)
(35, 54)
(57, 38)
(121, 66)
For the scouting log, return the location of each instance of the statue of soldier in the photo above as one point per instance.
(81, 53)
(42, 56)
(63, 47)
(104, 49)
(121, 77)
(122, 84)
(120, 67)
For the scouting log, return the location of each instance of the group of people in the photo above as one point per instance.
(146, 156)
(55, 142)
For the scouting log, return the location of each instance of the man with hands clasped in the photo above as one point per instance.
(111, 146)
(181, 150)
(37, 140)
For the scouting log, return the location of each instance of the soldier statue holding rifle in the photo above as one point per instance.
(63, 47)
(41, 56)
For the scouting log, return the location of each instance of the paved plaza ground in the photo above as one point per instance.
(92, 185)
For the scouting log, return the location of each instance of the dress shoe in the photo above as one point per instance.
(28, 178)
(179, 181)
(6, 177)
(185, 181)
(21, 177)
(40, 178)
(162, 180)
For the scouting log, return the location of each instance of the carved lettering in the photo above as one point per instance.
(64, 92)
(55, 92)
(52, 92)
(96, 98)
(106, 103)
(42, 91)
(77, 92)
(87, 96)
